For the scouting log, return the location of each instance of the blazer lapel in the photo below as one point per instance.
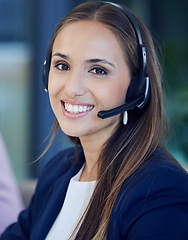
(53, 205)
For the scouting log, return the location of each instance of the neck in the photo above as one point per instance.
(92, 147)
(91, 153)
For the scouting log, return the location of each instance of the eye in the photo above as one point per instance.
(98, 71)
(62, 66)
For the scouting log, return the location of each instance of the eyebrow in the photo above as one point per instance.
(97, 60)
(60, 55)
(94, 60)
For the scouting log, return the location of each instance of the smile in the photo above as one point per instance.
(75, 109)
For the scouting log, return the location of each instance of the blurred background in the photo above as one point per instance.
(26, 118)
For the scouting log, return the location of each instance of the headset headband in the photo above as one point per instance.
(141, 47)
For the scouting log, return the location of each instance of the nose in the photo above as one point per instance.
(75, 84)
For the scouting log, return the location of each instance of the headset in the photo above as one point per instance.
(138, 93)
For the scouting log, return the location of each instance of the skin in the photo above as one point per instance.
(88, 68)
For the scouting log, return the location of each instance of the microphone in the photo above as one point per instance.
(125, 107)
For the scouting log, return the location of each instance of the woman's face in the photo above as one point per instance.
(88, 74)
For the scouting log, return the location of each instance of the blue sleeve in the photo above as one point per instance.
(164, 223)
(160, 207)
(153, 205)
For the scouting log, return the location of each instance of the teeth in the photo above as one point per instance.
(80, 109)
(76, 108)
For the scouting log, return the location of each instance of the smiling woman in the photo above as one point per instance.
(87, 77)
(103, 79)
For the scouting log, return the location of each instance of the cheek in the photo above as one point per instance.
(113, 94)
(53, 103)
(53, 87)
(53, 93)
(119, 94)
(120, 90)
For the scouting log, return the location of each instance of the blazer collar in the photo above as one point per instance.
(54, 203)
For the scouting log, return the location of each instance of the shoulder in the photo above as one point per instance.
(58, 171)
(161, 170)
(63, 158)
(156, 196)
(159, 176)
(60, 164)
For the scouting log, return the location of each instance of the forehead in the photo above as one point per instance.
(87, 37)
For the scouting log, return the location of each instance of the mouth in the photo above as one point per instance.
(76, 108)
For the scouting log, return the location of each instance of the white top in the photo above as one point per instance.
(76, 200)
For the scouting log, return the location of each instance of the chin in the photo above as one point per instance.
(73, 132)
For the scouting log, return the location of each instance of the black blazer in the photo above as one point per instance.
(151, 205)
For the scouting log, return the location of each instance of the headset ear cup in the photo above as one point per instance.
(147, 93)
(45, 74)
(46, 68)
(132, 89)
(134, 93)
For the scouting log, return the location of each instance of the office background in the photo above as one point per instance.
(26, 27)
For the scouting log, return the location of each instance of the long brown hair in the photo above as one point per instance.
(130, 145)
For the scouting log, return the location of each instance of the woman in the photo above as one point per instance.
(123, 184)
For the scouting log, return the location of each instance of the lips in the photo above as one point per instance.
(76, 108)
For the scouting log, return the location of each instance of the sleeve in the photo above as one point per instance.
(164, 223)
(9, 206)
(158, 208)
(21, 229)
